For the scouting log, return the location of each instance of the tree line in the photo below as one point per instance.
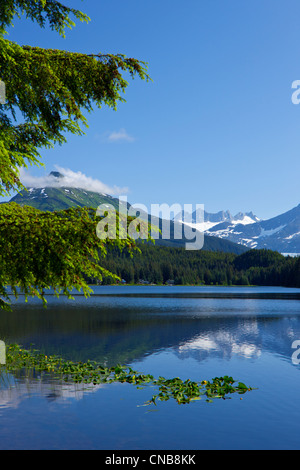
(168, 265)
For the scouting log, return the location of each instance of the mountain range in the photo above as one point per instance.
(222, 230)
(280, 233)
(59, 197)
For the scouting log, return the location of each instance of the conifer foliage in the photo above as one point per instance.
(47, 93)
(50, 88)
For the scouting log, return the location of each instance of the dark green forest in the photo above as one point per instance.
(168, 265)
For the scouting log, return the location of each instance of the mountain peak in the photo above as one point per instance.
(56, 174)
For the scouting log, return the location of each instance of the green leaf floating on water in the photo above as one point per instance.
(90, 372)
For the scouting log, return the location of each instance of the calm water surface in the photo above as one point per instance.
(195, 332)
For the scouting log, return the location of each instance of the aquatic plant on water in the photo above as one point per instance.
(91, 372)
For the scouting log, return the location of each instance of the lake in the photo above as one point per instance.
(187, 332)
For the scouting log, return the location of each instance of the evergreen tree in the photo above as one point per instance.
(50, 89)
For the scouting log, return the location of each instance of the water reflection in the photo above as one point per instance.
(171, 334)
(15, 389)
(244, 340)
(121, 329)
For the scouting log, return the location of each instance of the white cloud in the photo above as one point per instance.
(71, 179)
(121, 135)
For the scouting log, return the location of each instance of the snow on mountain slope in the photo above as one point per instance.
(280, 233)
(220, 219)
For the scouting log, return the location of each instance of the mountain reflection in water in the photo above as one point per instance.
(191, 333)
(122, 326)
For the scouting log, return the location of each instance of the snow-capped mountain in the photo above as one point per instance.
(280, 233)
(60, 196)
(238, 232)
(223, 218)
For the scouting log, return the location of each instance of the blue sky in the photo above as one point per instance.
(217, 125)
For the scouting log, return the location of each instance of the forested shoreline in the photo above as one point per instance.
(166, 265)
